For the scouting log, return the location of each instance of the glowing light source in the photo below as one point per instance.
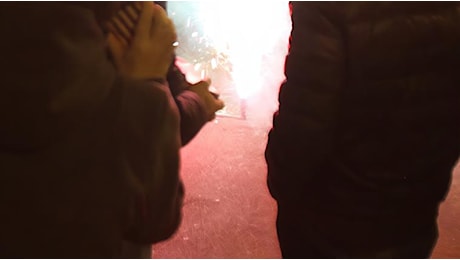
(241, 46)
(246, 34)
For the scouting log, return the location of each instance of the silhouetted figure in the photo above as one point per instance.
(195, 103)
(368, 129)
(89, 153)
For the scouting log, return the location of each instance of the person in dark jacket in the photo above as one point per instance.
(89, 152)
(195, 103)
(197, 106)
(367, 132)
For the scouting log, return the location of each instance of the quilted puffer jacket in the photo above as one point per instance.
(369, 114)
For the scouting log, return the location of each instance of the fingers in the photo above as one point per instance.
(144, 24)
(204, 84)
(128, 22)
(117, 34)
(122, 29)
(115, 47)
(208, 81)
(133, 11)
(123, 24)
(138, 5)
(219, 104)
(141, 38)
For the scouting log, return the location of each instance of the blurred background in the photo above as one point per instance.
(228, 212)
(241, 47)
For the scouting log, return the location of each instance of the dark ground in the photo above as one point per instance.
(228, 212)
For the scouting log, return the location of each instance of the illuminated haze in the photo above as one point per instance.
(254, 37)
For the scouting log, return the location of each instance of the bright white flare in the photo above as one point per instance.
(247, 33)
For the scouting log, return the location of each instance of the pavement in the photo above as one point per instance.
(228, 212)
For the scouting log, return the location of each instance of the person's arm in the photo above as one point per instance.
(192, 108)
(303, 128)
(149, 125)
(196, 105)
(149, 129)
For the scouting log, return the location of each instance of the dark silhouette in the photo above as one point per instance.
(89, 154)
(368, 128)
(195, 103)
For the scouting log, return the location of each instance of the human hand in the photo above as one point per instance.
(212, 103)
(142, 50)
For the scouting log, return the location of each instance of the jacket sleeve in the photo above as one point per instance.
(303, 128)
(191, 108)
(74, 96)
(149, 127)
